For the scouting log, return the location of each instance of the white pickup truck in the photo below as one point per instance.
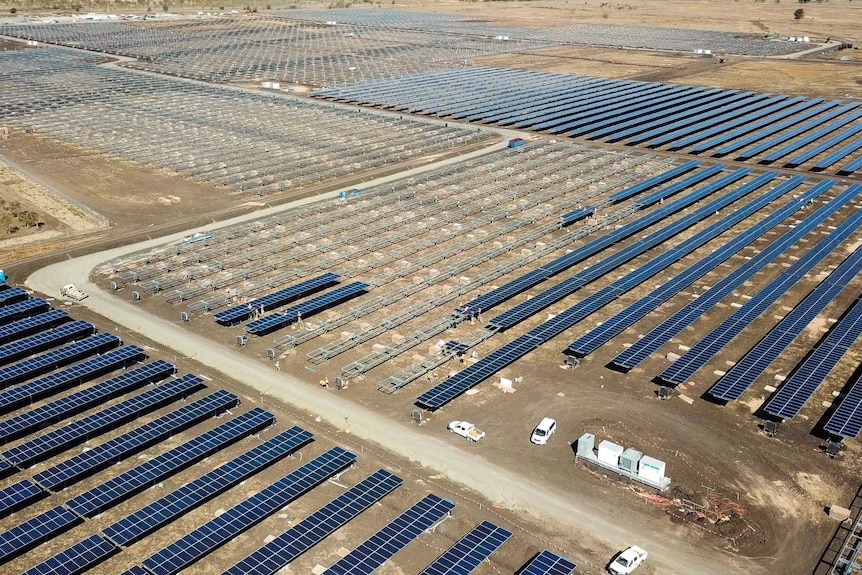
(466, 430)
(628, 561)
(73, 293)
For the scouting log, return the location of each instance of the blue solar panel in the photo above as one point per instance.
(27, 393)
(25, 308)
(780, 139)
(530, 279)
(136, 570)
(800, 386)
(125, 485)
(852, 166)
(58, 440)
(89, 462)
(35, 531)
(650, 183)
(752, 365)
(616, 324)
(813, 136)
(547, 563)
(57, 358)
(19, 495)
(6, 469)
(672, 326)
(12, 295)
(839, 155)
(847, 419)
(552, 295)
(314, 305)
(200, 542)
(77, 559)
(166, 509)
(384, 544)
(317, 526)
(469, 552)
(279, 298)
(50, 413)
(32, 325)
(47, 339)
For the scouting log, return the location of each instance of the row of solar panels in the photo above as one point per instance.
(465, 555)
(846, 420)
(638, 113)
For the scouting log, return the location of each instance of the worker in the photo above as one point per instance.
(277, 365)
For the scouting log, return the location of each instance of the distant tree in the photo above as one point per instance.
(799, 14)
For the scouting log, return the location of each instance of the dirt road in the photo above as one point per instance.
(601, 525)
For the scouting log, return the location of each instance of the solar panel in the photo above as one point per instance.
(802, 384)
(826, 144)
(136, 570)
(384, 544)
(314, 305)
(18, 495)
(58, 440)
(642, 348)
(31, 325)
(6, 469)
(45, 340)
(616, 324)
(816, 135)
(57, 358)
(200, 542)
(650, 183)
(25, 308)
(12, 295)
(127, 484)
(745, 371)
(562, 263)
(463, 557)
(77, 559)
(27, 393)
(35, 531)
(852, 166)
(50, 413)
(276, 299)
(317, 526)
(164, 510)
(847, 419)
(547, 563)
(89, 462)
(839, 155)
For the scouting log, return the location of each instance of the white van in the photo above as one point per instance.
(543, 431)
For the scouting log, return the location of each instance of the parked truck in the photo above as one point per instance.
(466, 430)
(73, 293)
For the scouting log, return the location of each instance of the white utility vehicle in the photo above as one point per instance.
(628, 561)
(543, 431)
(73, 293)
(467, 430)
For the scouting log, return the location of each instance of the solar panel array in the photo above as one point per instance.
(34, 531)
(79, 558)
(203, 540)
(394, 537)
(89, 462)
(29, 392)
(166, 509)
(463, 557)
(616, 324)
(846, 421)
(754, 363)
(57, 358)
(276, 299)
(801, 385)
(133, 481)
(18, 495)
(672, 326)
(29, 421)
(55, 441)
(547, 563)
(32, 324)
(550, 296)
(47, 339)
(25, 308)
(301, 537)
(508, 290)
(639, 113)
(12, 295)
(314, 305)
